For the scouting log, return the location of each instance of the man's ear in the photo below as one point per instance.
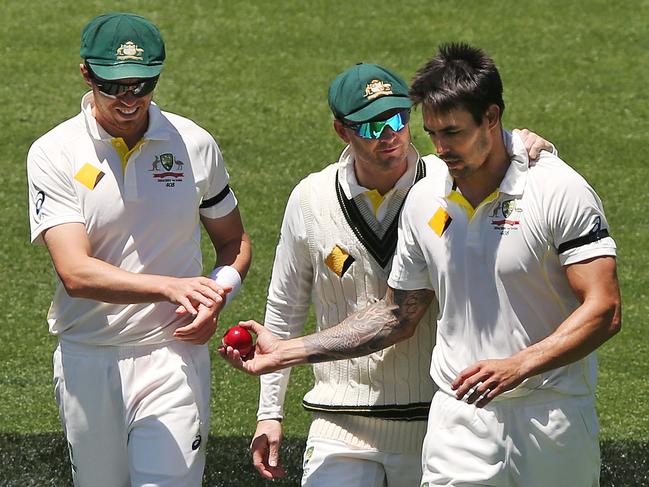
(492, 115)
(341, 131)
(86, 75)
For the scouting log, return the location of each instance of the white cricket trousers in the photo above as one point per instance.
(545, 439)
(134, 416)
(330, 463)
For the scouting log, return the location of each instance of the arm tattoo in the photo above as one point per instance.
(378, 326)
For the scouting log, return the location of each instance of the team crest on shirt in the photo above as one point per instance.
(506, 216)
(167, 169)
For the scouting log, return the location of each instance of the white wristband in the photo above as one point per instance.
(226, 275)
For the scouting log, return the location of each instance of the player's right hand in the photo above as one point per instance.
(266, 358)
(534, 143)
(189, 292)
(264, 449)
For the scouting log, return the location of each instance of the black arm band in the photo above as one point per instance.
(216, 199)
(585, 240)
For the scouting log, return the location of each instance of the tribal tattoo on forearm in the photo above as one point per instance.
(373, 328)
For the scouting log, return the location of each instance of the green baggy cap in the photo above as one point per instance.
(122, 45)
(365, 91)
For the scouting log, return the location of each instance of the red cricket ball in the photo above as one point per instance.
(240, 339)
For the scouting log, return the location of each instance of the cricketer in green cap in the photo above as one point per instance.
(122, 45)
(365, 91)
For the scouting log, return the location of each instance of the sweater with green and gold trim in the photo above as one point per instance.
(351, 254)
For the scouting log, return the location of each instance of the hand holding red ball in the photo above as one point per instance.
(240, 339)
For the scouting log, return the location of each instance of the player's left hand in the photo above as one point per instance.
(202, 326)
(484, 380)
(265, 447)
(533, 143)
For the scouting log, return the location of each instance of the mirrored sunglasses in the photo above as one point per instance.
(113, 89)
(373, 129)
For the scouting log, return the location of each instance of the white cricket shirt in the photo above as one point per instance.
(144, 219)
(498, 271)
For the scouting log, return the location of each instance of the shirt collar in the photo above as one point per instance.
(159, 127)
(514, 181)
(347, 175)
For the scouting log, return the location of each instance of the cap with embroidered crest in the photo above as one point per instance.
(365, 91)
(122, 45)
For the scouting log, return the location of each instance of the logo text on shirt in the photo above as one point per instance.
(506, 216)
(166, 174)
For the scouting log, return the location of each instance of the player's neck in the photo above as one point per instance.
(380, 178)
(131, 137)
(130, 132)
(480, 184)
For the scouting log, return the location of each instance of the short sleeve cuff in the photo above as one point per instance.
(223, 208)
(37, 232)
(603, 248)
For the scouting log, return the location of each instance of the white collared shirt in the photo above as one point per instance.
(144, 219)
(351, 187)
(497, 270)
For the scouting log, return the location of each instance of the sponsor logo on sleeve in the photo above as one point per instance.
(89, 176)
(38, 203)
(597, 224)
(440, 221)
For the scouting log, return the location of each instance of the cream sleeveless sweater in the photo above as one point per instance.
(380, 400)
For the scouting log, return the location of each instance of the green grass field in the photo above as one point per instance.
(255, 74)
